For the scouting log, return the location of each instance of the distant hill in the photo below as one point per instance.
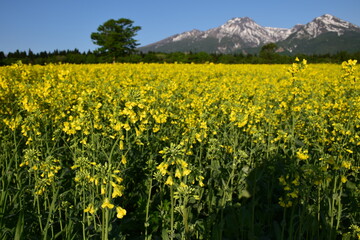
(324, 34)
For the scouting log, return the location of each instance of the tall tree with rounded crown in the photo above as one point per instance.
(116, 37)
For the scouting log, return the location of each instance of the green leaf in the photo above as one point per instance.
(164, 234)
(19, 227)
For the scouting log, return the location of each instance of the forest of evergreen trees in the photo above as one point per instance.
(77, 57)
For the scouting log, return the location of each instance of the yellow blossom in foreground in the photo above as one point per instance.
(117, 178)
(120, 212)
(102, 190)
(349, 151)
(117, 191)
(302, 154)
(121, 145)
(343, 179)
(107, 204)
(169, 181)
(75, 166)
(90, 209)
(177, 173)
(201, 183)
(123, 159)
(346, 164)
(163, 168)
(186, 172)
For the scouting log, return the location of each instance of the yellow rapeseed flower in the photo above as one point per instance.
(117, 190)
(123, 159)
(186, 172)
(90, 209)
(121, 145)
(346, 164)
(177, 173)
(343, 179)
(169, 181)
(107, 204)
(302, 154)
(163, 168)
(102, 190)
(120, 212)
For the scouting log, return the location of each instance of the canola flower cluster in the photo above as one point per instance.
(85, 128)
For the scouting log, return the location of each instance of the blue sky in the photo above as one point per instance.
(46, 25)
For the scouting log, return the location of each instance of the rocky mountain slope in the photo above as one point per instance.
(243, 35)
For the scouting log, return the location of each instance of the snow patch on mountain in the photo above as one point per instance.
(248, 31)
(325, 23)
(191, 34)
(243, 33)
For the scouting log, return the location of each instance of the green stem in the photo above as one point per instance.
(339, 209)
(51, 210)
(172, 213)
(60, 221)
(147, 208)
(283, 225)
(83, 221)
(39, 212)
(318, 212)
(332, 208)
(103, 227)
(106, 225)
(185, 218)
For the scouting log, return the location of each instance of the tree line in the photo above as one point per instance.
(77, 57)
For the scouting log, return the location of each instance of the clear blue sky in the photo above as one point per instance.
(46, 25)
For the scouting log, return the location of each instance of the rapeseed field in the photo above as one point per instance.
(180, 151)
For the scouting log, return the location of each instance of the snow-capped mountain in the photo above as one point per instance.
(249, 31)
(324, 34)
(237, 33)
(244, 34)
(193, 33)
(323, 24)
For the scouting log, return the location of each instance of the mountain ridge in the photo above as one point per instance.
(244, 35)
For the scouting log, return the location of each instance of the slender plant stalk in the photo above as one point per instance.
(186, 218)
(172, 233)
(283, 225)
(83, 215)
(147, 207)
(339, 208)
(52, 208)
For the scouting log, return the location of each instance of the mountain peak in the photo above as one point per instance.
(326, 16)
(237, 26)
(242, 34)
(323, 24)
(184, 35)
(330, 19)
(240, 20)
